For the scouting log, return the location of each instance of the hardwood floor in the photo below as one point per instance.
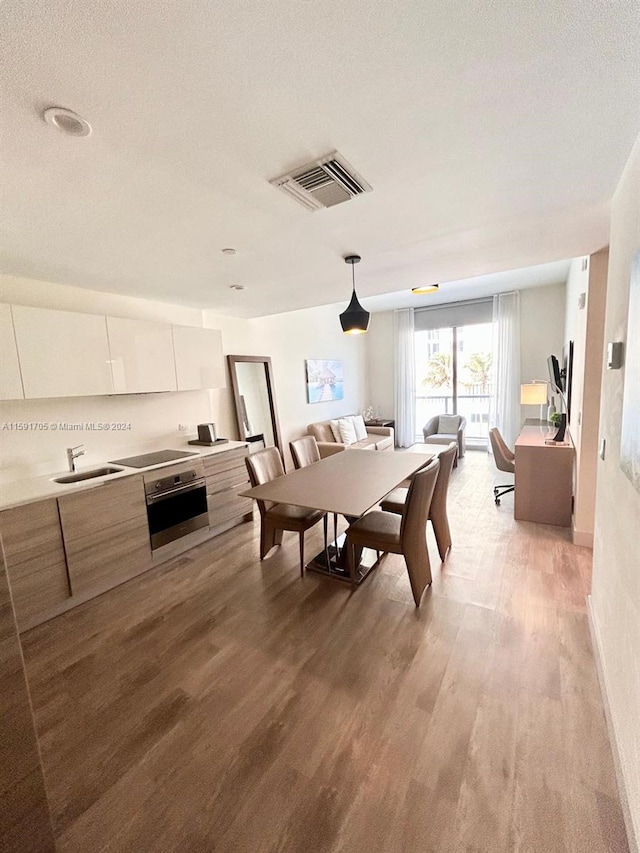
(220, 704)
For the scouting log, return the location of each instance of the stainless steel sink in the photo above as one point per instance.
(79, 476)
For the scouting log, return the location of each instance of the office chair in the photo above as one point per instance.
(505, 461)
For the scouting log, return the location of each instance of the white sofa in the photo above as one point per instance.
(378, 438)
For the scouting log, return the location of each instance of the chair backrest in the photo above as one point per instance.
(263, 467)
(503, 457)
(304, 451)
(416, 511)
(439, 499)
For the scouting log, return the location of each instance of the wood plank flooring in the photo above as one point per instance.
(221, 704)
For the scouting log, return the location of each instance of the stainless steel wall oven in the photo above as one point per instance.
(176, 506)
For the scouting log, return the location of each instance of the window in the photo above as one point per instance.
(453, 366)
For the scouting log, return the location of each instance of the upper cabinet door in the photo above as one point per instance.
(62, 354)
(199, 359)
(141, 356)
(10, 381)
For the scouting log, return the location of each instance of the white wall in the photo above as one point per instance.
(289, 339)
(584, 326)
(542, 316)
(154, 418)
(380, 358)
(616, 556)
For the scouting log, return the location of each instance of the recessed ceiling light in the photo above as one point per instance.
(236, 287)
(67, 122)
(428, 288)
(229, 251)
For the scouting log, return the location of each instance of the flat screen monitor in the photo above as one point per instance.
(555, 376)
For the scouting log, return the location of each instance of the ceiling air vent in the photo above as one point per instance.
(324, 183)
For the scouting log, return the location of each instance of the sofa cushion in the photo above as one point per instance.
(335, 429)
(360, 428)
(367, 443)
(383, 442)
(321, 431)
(448, 424)
(441, 438)
(347, 431)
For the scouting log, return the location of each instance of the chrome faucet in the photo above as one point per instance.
(72, 455)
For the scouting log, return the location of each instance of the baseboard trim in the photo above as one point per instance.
(622, 788)
(582, 537)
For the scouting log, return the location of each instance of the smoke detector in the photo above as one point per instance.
(323, 183)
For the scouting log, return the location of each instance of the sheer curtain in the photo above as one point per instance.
(505, 401)
(405, 377)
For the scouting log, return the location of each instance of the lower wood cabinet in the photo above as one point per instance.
(35, 561)
(106, 536)
(61, 552)
(226, 475)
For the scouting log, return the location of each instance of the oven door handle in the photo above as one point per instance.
(189, 487)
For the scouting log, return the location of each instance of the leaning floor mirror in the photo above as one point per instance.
(254, 399)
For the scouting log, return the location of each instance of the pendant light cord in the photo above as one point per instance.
(353, 276)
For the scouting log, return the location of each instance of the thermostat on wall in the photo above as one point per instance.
(614, 355)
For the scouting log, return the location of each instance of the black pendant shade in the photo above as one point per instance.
(354, 320)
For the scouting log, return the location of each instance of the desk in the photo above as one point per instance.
(544, 476)
(347, 483)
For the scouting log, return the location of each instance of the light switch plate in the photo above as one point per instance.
(603, 446)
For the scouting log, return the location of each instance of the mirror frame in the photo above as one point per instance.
(232, 360)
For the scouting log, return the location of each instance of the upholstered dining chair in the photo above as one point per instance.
(304, 451)
(396, 501)
(263, 467)
(505, 460)
(401, 534)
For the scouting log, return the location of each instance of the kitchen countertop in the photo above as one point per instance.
(33, 489)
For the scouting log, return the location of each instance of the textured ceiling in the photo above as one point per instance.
(493, 135)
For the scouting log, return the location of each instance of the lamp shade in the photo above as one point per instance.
(533, 394)
(354, 319)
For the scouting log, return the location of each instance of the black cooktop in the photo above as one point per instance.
(154, 458)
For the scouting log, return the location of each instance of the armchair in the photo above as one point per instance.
(442, 429)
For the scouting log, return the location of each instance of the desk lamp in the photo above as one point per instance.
(535, 394)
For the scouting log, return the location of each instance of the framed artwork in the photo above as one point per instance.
(325, 380)
(630, 433)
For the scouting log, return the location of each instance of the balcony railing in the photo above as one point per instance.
(474, 407)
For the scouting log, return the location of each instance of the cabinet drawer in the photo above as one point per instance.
(224, 461)
(106, 535)
(103, 507)
(227, 480)
(227, 506)
(35, 561)
(105, 558)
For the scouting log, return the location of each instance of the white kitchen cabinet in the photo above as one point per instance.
(62, 353)
(10, 381)
(199, 358)
(141, 356)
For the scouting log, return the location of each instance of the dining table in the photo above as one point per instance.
(348, 483)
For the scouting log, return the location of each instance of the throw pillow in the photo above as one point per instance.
(347, 431)
(448, 424)
(335, 429)
(360, 428)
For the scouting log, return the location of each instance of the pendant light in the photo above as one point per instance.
(354, 320)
